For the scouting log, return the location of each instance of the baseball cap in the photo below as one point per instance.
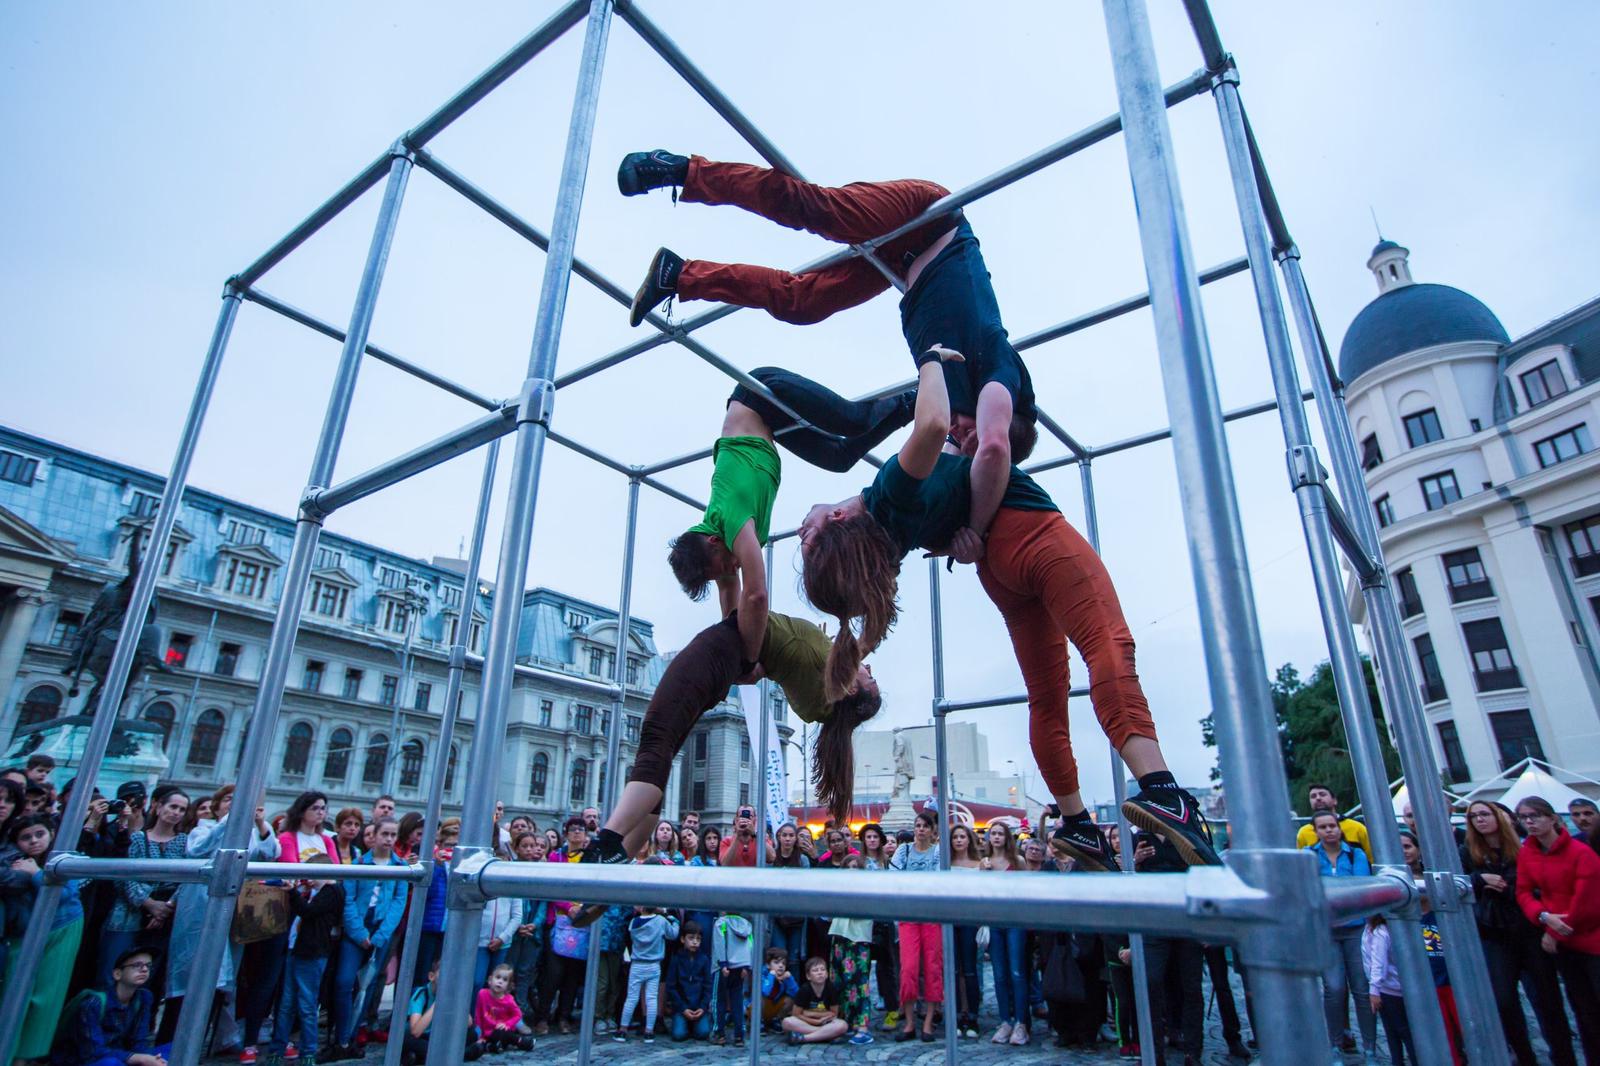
(131, 790)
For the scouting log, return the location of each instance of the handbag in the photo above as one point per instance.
(1063, 977)
(261, 913)
(567, 940)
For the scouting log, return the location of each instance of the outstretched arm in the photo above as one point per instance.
(931, 421)
(991, 463)
(752, 590)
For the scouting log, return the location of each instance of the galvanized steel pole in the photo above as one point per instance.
(441, 767)
(224, 888)
(941, 766)
(758, 796)
(1285, 979)
(26, 955)
(1119, 792)
(533, 420)
(1468, 973)
(1306, 480)
(606, 800)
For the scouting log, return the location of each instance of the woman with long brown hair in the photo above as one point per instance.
(1510, 941)
(1050, 587)
(965, 856)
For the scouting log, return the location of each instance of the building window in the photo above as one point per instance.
(395, 616)
(18, 469)
(450, 768)
(597, 661)
(328, 599)
(474, 636)
(144, 505)
(633, 671)
(247, 578)
(1516, 737)
(700, 746)
(1410, 600)
(411, 764)
(297, 749)
(239, 532)
(697, 794)
(1385, 511)
(539, 777)
(450, 596)
(228, 659)
(1423, 428)
(329, 559)
(392, 578)
(1544, 383)
(352, 684)
(604, 720)
(546, 709)
(631, 733)
(1491, 655)
(312, 681)
(389, 691)
(1428, 664)
(377, 758)
(577, 619)
(1371, 454)
(583, 720)
(66, 627)
(178, 648)
(744, 792)
(1440, 489)
(41, 704)
(206, 740)
(580, 781)
(1584, 537)
(1568, 444)
(164, 715)
(1463, 572)
(600, 791)
(244, 739)
(336, 764)
(423, 696)
(744, 751)
(1455, 760)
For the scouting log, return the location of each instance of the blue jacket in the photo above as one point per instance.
(689, 981)
(386, 908)
(95, 1027)
(1352, 862)
(433, 914)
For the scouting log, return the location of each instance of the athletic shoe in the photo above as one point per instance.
(247, 1057)
(891, 1021)
(291, 1053)
(1128, 1051)
(380, 1035)
(1002, 1035)
(649, 1038)
(1086, 844)
(1175, 815)
(1019, 1036)
(660, 284)
(620, 1036)
(861, 1037)
(642, 171)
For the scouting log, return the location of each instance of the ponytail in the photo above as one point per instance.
(833, 766)
(851, 569)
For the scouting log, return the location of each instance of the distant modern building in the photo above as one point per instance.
(1480, 462)
(370, 663)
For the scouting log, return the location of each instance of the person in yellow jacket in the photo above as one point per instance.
(1322, 798)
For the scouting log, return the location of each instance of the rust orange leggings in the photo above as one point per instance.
(1052, 588)
(850, 213)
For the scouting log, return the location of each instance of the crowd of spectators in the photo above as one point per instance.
(309, 961)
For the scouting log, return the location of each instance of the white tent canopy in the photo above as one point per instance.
(1534, 777)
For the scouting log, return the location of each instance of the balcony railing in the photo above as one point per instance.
(1471, 590)
(1433, 691)
(1495, 680)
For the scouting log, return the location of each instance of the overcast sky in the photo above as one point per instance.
(153, 150)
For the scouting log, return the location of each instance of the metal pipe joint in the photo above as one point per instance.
(536, 402)
(225, 874)
(1298, 916)
(1227, 75)
(1411, 909)
(51, 871)
(465, 887)
(1447, 892)
(402, 149)
(1304, 467)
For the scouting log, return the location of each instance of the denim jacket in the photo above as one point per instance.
(384, 902)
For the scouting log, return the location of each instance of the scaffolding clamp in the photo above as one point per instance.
(1228, 74)
(401, 149)
(1297, 917)
(51, 877)
(536, 402)
(458, 657)
(466, 889)
(1446, 890)
(225, 873)
(1305, 468)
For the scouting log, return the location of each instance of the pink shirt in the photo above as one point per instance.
(492, 1012)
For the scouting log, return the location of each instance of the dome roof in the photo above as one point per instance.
(1384, 246)
(1410, 317)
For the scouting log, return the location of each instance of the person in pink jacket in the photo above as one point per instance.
(497, 1017)
(1558, 888)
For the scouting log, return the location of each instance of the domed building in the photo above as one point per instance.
(1480, 462)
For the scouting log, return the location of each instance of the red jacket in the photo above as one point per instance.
(1567, 878)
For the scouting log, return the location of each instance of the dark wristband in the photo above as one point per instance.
(929, 356)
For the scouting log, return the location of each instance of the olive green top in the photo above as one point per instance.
(794, 653)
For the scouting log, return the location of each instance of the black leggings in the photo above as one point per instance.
(696, 680)
(840, 431)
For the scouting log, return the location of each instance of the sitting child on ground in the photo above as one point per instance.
(778, 989)
(111, 1028)
(816, 1008)
(497, 1017)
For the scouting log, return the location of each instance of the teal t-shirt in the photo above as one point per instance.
(744, 486)
(925, 514)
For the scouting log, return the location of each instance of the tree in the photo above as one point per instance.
(1311, 733)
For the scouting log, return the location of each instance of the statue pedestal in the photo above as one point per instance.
(900, 815)
(133, 754)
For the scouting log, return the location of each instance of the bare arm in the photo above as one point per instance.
(752, 590)
(991, 464)
(931, 422)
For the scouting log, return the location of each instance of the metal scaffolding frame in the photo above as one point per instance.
(1268, 901)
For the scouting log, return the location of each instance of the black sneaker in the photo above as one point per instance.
(642, 171)
(1085, 843)
(660, 285)
(605, 848)
(1175, 815)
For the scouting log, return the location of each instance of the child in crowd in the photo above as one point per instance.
(419, 1024)
(730, 950)
(816, 1011)
(851, 939)
(1383, 986)
(113, 1026)
(317, 905)
(689, 987)
(650, 930)
(778, 988)
(496, 1016)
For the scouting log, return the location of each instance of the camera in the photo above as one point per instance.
(116, 806)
